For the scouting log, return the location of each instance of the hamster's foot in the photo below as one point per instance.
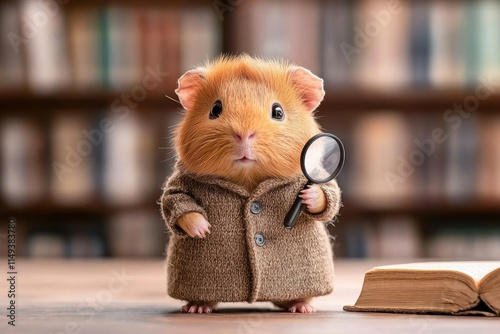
(301, 307)
(297, 306)
(198, 307)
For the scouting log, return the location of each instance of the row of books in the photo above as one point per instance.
(401, 236)
(142, 233)
(390, 236)
(367, 43)
(81, 157)
(397, 160)
(68, 241)
(89, 48)
(393, 160)
(127, 234)
(377, 43)
(469, 240)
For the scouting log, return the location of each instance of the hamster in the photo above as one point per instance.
(245, 124)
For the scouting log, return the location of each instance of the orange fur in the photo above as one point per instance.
(247, 87)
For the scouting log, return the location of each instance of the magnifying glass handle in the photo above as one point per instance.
(293, 215)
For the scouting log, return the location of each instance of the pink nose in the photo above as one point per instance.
(241, 138)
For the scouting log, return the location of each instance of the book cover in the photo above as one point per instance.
(450, 287)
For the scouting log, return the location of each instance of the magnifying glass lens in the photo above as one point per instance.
(322, 159)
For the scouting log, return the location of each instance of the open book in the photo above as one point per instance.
(467, 287)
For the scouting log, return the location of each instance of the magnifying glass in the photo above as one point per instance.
(321, 160)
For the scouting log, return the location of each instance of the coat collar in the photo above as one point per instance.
(261, 189)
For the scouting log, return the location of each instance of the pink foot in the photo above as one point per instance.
(197, 307)
(301, 307)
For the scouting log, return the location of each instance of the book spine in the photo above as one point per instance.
(47, 54)
(86, 49)
(420, 43)
(104, 46)
(72, 153)
(12, 68)
(337, 20)
(200, 37)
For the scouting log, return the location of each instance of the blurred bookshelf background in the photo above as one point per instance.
(412, 88)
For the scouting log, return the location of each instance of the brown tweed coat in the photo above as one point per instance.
(249, 255)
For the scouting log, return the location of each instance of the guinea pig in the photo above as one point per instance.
(237, 174)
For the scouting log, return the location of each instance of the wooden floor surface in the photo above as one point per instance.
(128, 296)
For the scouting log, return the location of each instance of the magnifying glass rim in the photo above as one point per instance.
(306, 147)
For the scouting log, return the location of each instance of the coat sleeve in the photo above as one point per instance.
(176, 201)
(333, 203)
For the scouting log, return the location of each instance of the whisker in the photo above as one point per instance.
(171, 98)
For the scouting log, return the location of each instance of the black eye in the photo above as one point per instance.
(216, 110)
(277, 112)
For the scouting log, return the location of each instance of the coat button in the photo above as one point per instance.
(259, 239)
(255, 208)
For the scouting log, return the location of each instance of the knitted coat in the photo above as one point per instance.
(249, 254)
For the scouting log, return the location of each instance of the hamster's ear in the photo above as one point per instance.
(309, 86)
(188, 85)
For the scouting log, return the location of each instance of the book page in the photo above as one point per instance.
(475, 269)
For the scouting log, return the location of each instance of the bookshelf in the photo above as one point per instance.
(383, 109)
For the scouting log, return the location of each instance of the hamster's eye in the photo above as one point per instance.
(216, 110)
(277, 112)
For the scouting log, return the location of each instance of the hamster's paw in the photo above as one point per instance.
(301, 307)
(198, 307)
(194, 224)
(314, 199)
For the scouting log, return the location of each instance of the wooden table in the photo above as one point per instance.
(128, 296)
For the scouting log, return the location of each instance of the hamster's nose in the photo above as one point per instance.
(241, 138)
